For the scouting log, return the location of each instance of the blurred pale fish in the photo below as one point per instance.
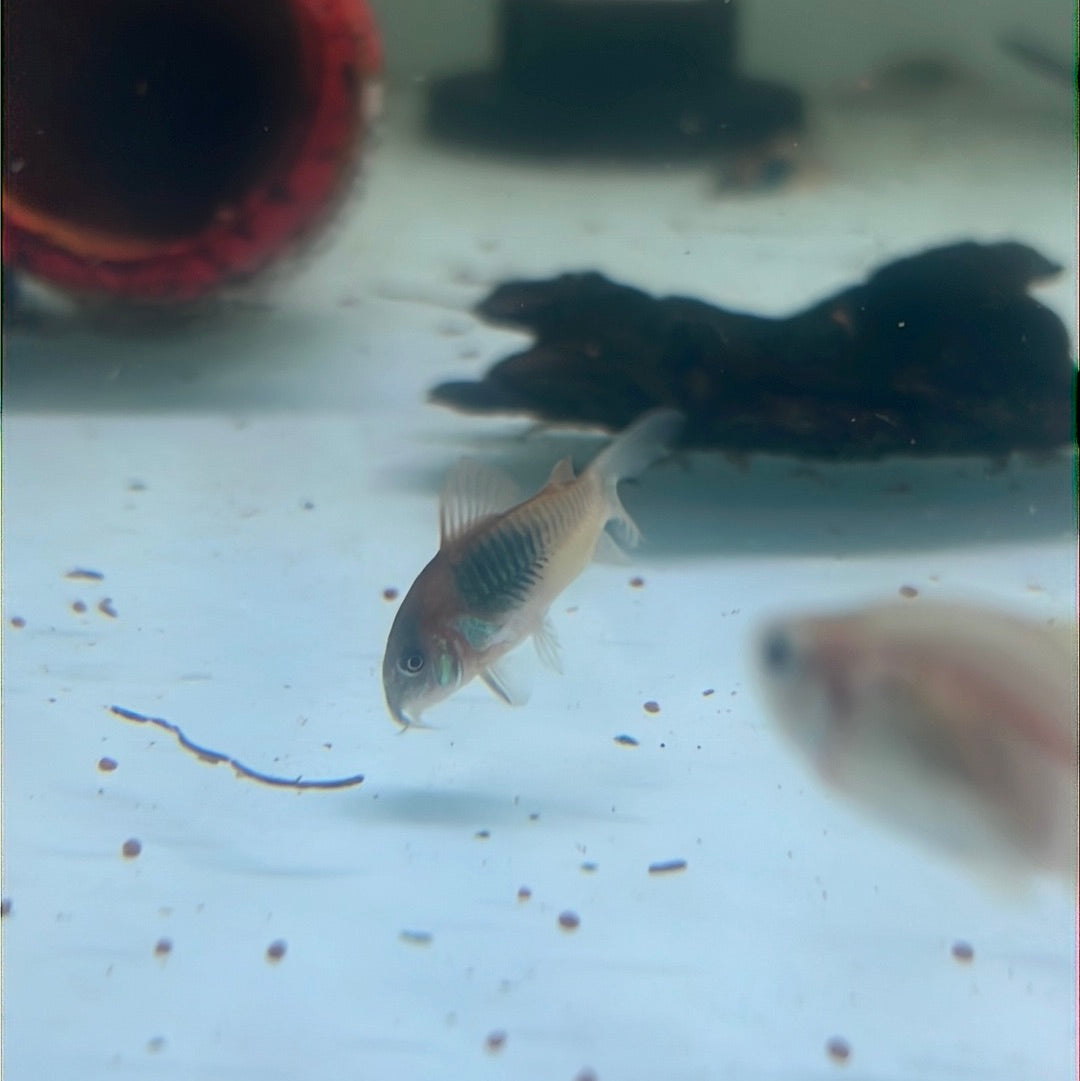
(957, 724)
(501, 563)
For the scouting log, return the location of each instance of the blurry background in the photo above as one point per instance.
(210, 515)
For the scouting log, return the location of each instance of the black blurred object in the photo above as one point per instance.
(940, 353)
(1057, 67)
(613, 77)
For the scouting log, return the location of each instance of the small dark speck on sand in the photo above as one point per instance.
(131, 848)
(524, 893)
(651, 707)
(706, 693)
(163, 947)
(588, 867)
(78, 606)
(495, 1041)
(18, 622)
(416, 938)
(106, 765)
(569, 921)
(276, 950)
(637, 583)
(390, 594)
(838, 1049)
(586, 1074)
(908, 591)
(963, 951)
(482, 835)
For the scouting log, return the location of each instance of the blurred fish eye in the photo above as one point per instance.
(777, 651)
(411, 663)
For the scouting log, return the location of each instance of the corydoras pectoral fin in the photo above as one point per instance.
(506, 683)
(547, 646)
(471, 493)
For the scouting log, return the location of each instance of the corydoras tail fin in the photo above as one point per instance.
(646, 441)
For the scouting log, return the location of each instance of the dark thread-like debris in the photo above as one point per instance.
(212, 758)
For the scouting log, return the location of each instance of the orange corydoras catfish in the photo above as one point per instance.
(500, 565)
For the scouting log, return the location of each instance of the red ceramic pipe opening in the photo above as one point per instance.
(158, 150)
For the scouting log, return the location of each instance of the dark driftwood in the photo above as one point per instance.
(940, 353)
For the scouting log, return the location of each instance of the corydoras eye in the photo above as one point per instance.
(412, 663)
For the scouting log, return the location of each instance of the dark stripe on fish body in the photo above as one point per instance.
(500, 569)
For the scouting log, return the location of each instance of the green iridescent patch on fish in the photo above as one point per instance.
(478, 632)
(445, 669)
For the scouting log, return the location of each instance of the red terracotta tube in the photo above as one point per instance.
(156, 152)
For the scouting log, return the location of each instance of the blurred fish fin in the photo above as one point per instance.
(506, 683)
(631, 452)
(608, 551)
(647, 440)
(563, 473)
(547, 646)
(471, 493)
(624, 533)
(1009, 883)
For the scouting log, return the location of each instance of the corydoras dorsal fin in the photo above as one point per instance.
(471, 493)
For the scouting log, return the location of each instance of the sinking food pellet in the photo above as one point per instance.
(838, 1049)
(276, 950)
(586, 1074)
(651, 707)
(569, 921)
(18, 622)
(495, 1041)
(415, 938)
(163, 947)
(588, 867)
(524, 893)
(5, 906)
(482, 835)
(390, 594)
(106, 765)
(78, 606)
(963, 951)
(131, 848)
(637, 583)
(106, 608)
(908, 591)
(705, 694)
(155, 1044)
(626, 741)
(667, 867)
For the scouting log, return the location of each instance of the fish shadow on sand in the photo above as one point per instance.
(703, 503)
(476, 809)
